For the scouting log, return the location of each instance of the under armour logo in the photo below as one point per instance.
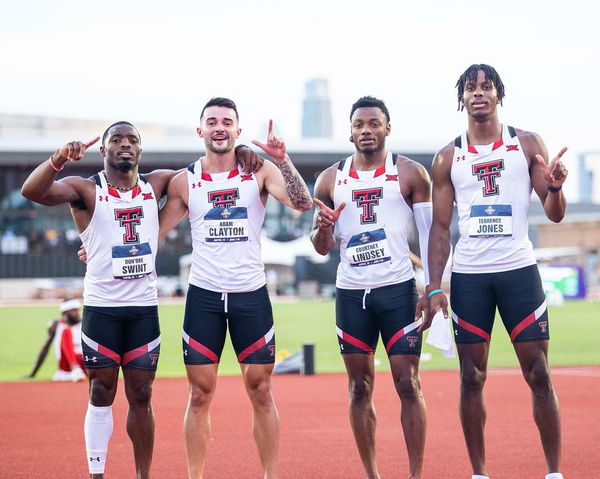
(185, 352)
(340, 182)
(543, 326)
(341, 347)
(459, 158)
(105, 198)
(391, 177)
(512, 147)
(412, 341)
(199, 184)
(93, 359)
(246, 177)
(147, 196)
(97, 458)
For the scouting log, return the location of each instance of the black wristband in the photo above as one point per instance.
(551, 189)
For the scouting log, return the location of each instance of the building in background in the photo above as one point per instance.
(589, 178)
(316, 110)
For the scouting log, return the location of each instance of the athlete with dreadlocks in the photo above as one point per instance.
(489, 172)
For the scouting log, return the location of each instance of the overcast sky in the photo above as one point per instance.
(161, 61)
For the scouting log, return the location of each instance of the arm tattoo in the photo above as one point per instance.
(294, 185)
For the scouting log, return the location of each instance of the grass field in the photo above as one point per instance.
(574, 329)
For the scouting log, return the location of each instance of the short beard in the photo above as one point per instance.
(125, 166)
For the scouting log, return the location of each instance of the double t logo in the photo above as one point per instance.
(367, 199)
(129, 219)
(487, 172)
(223, 198)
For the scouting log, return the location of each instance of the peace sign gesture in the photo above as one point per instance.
(555, 173)
(275, 146)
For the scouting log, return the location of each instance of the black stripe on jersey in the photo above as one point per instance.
(143, 178)
(458, 142)
(341, 165)
(191, 166)
(97, 180)
(394, 159)
(512, 132)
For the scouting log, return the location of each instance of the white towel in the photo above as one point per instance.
(440, 335)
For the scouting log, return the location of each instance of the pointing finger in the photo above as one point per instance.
(90, 143)
(320, 204)
(260, 145)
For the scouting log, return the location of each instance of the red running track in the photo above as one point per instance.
(41, 429)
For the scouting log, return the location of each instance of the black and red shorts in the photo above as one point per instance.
(208, 315)
(519, 296)
(362, 314)
(127, 336)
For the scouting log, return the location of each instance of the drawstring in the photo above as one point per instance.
(367, 291)
(224, 298)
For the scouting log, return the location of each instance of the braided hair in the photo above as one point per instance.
(470, 75)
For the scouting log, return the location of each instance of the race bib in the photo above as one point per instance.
(368, 248)
(487, 221)
(224, 225)
(132, 261)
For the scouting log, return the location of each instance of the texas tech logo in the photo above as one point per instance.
(224, 198)
(488, 172)
(367, 199)
(129, 219)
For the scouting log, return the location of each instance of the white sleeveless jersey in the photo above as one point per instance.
(75, 332)
(372, 227)
(226, 216)
(121, 242)
(492, 192)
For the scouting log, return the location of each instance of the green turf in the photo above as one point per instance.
(574, 329)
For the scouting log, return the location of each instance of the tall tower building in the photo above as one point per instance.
(316, 116)
(589, 178)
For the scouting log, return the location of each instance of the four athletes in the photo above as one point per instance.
(368, 200)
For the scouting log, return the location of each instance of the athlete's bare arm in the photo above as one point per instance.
(439, 235)
(44, 351)
(41, 185)
(176, 206)
(545, 175)
(284, 182)
(415, 183)
(326, 216)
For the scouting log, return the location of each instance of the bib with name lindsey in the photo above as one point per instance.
(366, 248)
(132, 261)
(487, 221)
(224, 225)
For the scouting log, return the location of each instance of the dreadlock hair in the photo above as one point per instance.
(220, 101)
(470, 75)
(105, 134)
(367, 102)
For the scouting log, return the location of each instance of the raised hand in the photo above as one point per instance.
(72, 151)
(326, 217)
(554, 173)
(275, 147)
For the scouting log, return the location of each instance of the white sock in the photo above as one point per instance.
(98, 428)
(554, 475)
(478, 476)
